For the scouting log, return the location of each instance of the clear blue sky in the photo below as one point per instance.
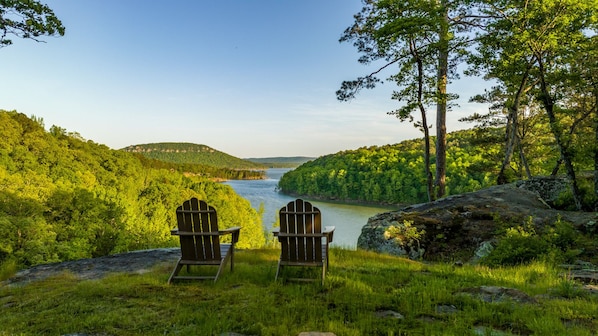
(250, 78)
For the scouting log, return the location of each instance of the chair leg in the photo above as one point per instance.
(222, 262)
(232, 258)
(327, 254)
(277, 271)
(176, 271)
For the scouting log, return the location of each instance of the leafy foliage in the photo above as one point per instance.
(408, 236)
(63, 198)
(211, 172)
(543, 54)
(281, 162)
(188, 153)
(395, 173)
(27, 19)
(557, 243)
(392, 173)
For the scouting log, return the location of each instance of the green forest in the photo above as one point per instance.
(541, 58)
(65, 198)
(282, 161)
(395, 174)
(188, 153)
(203, 169)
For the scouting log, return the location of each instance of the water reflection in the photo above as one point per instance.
(348, 218)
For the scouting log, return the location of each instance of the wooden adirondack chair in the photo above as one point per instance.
(302, 240)
(200, 239)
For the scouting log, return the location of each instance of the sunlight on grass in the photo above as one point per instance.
(359, 286)
(8, 268)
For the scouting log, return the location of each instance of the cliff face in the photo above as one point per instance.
(459, 227)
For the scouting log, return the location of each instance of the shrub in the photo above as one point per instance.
(557, 243)
(519, 245)
(408, 237)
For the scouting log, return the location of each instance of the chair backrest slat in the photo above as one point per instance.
(197, 216)
(300, 217)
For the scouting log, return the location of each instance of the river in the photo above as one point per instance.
(347, 218)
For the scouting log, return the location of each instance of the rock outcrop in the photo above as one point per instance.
(136, 262)
(457, 227)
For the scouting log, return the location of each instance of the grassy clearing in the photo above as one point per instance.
(248, 301)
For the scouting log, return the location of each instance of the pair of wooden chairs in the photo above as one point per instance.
(303, 241)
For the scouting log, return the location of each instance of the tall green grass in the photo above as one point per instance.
(248, 301)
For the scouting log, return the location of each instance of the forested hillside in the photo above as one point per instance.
(211, 172)
(186, 153)
(282, 161)
(64, 198)
(395, 173)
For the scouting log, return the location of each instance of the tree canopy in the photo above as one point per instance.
(189, 153)
(425, 41)
(541, 53)
(28, 19)
(393, 174)
(64, 198)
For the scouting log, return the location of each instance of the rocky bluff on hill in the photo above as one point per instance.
(460, 227)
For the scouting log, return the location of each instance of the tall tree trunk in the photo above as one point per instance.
(524, 163)
(429, 179)
(441, 108)
(512, 140)
(557, 166)
(566, 154)
(511, 143)
(596, 148)
(422, 109)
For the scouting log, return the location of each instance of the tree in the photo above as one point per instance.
(537, 47)
(65, 198)
(425, 39)
(27, 19)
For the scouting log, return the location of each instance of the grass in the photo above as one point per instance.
(248, 301)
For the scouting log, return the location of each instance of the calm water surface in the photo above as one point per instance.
(347, 218)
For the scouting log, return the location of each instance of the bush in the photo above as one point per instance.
(408, 237)
(588, 197)
(522, 244)
(8, 268)
(519, 245)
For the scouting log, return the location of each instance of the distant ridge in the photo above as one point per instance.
(281, 161)
(184, 153)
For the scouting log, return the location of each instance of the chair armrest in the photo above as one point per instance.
(329, 232)
(308, 235)
(190, 233)
(276, 233)
(235, 231)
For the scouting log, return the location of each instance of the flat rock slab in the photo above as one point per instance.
(137, 262)
(585, 276)
(498, 294)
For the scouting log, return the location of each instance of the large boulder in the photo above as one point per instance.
(457, 227)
